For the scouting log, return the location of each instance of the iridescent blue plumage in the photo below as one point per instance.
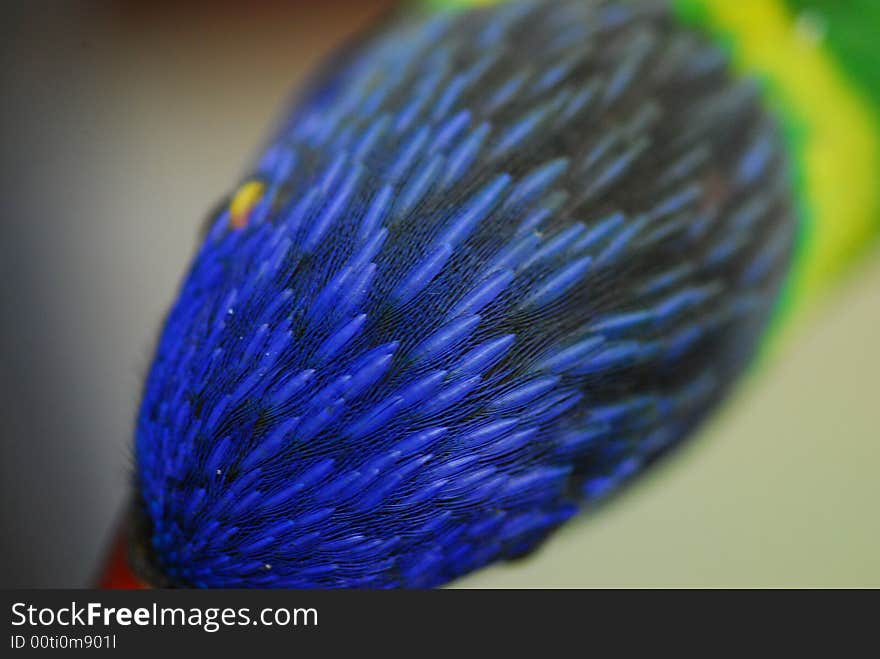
(503, 260)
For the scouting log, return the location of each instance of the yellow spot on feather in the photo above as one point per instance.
(243, 202)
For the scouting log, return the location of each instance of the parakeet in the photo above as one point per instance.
(496, 261)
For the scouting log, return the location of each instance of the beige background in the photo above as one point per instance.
(123, 123)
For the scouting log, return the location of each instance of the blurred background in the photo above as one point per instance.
(123, 123)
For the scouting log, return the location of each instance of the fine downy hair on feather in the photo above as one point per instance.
(500, 260)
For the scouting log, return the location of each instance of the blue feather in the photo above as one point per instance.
(503, 260)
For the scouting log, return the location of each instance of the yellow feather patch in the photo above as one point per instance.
(837, 148)
(243, 202)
